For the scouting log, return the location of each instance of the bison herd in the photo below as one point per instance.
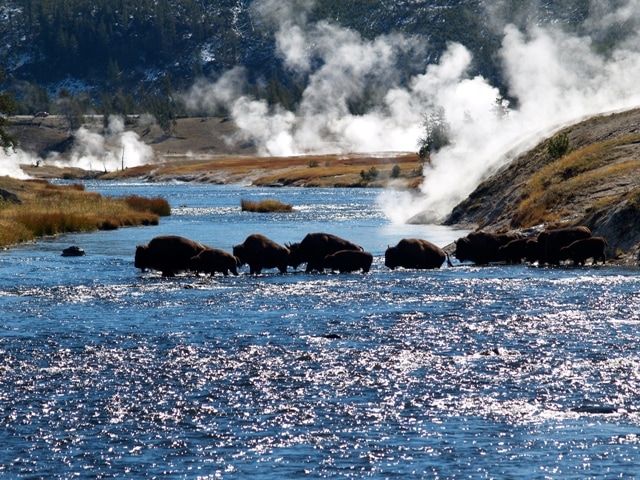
(172, 254)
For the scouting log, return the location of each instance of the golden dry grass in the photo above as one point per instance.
(48, 209)
(557, 184)
(269, 205)
(308, 171)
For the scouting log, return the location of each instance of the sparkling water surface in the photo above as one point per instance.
(462, 372)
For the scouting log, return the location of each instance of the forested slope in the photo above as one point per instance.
(146, 47)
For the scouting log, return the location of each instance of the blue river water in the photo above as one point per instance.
(461, 372)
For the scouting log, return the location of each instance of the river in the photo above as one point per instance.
(461, 372)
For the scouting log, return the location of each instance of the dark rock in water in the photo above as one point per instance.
(73, 251)
(596, 409)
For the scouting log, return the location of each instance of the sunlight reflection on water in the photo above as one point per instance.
(464, 371)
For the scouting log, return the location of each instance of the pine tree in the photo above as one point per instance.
(7, 107)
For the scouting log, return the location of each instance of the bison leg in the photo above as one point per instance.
(254, 269)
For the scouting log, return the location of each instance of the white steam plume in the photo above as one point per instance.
(90, 151)
(556, 78)
(108, 152)
(10, 162)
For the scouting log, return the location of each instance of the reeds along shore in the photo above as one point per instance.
(33, 209)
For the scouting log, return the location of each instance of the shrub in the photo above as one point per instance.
(395, 171)
(370, 174)
(558, 146)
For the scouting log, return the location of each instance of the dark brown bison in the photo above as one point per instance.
(482, 248)
(581, 250)
(212, 260)
(349, 261)
(414, 253)
(259, 252)
(516, 250)
(314, 247)
(551, 241)
(169, 254)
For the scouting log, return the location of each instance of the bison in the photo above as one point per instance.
(580, 250)
(314, 247)
(551, 241)
(414, 253)
(349, 261)
(212, 260)
(260, 252)
(170, 254)
(482, 248)
(516, 250)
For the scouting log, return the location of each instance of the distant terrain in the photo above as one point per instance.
(207, 150)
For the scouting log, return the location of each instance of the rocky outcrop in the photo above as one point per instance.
(7, 196)
(596, 184)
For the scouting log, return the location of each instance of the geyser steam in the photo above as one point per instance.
(113, 150)
(555, 77)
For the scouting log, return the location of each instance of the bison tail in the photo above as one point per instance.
(449, 260)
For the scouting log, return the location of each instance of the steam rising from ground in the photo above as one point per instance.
(109, 151)
(556, 78)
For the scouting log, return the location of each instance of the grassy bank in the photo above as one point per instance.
(36, 208)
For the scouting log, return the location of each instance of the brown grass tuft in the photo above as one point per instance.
(269, 205)
(157, 205)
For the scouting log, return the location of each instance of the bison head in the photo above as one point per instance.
(239, 251)
(141, 260)
(463, 249)
(391, 259)
(295, 255)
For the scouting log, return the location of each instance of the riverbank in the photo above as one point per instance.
(36, 208)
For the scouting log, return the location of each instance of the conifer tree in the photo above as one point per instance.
(7, 107)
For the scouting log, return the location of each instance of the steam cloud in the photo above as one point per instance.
(556, 77)
(90, 151)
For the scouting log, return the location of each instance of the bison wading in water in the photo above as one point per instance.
(414, 253)
(482, 248)
(170, 254)
(212, 260)
(349, 261)
(314, 247)
(581, 250)
(260, 252)
(516, 250)
(551, 241)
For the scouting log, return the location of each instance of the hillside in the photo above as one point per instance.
(597, 184)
